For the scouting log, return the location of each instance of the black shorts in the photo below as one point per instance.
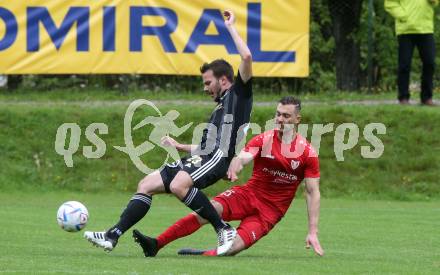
(203, 170)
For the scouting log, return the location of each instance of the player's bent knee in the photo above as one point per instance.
(151, 184)
(237, 246)
(143, 185)
(201, 220)
(181, 184)
(178, 189)
(218, 207)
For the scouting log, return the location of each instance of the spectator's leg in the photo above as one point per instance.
(406, 49)
(426, 47)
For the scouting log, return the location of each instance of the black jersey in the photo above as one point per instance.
(229, 120)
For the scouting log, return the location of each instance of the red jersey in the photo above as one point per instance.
(279, 168)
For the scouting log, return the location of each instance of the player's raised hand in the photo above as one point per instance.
(169, 142)
(229, 17)
(234, 168)
(312, 241)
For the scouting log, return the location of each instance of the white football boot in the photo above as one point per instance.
(100, 239)
(226, 237)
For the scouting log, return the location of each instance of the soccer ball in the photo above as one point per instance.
(72, 216)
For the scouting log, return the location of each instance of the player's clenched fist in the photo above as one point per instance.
(230, 17)
(169, 142)
(234, 168)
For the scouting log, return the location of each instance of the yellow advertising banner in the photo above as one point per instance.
(150, 36)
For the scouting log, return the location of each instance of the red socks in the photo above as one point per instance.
(183, 227)
(212, 252)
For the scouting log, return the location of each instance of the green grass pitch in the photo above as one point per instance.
(374, 237)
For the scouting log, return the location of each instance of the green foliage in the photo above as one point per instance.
(49, 83)
(384, 54)
(322, 76)
(94, 96)
(408, 169)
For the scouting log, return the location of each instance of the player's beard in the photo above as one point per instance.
(219, 96)
(218, 93)
(287, 132)
(285, 127)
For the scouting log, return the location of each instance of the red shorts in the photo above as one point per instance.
(257, 219)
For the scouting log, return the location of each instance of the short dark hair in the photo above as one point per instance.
(290, 100)
(220, 68)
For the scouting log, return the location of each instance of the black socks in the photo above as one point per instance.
(140, 203)
(136, 209)
(200, 204)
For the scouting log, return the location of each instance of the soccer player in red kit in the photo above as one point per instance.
(282, 160)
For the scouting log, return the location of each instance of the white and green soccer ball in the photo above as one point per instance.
(72, 216)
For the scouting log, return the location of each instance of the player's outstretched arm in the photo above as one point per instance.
(313, 197)
(171, 142)
(245, 68)
(237, 164)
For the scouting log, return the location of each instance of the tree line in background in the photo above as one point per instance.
(339, 59)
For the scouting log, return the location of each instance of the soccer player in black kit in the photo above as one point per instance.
(208, 161)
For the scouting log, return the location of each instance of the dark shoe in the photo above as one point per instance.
(404, 102)
(429, 102)
(148, 244)
(191, 251)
